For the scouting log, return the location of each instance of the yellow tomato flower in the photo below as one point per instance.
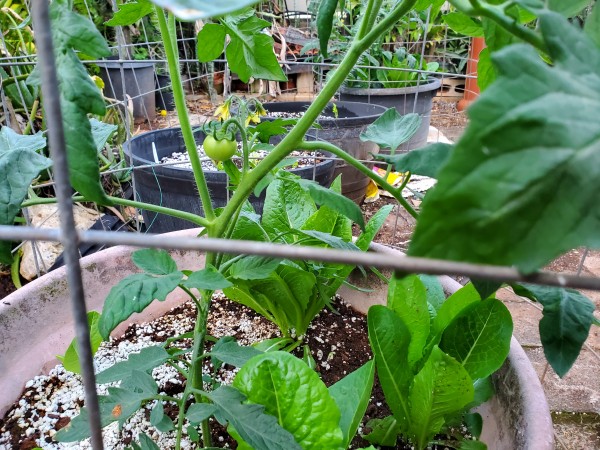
(254, 118)
(260, 109)
(98, 81)
(223, 112)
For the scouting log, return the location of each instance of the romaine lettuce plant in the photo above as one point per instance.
(523, 172)
(432, 354)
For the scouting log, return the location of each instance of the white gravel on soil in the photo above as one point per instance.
(181, 160)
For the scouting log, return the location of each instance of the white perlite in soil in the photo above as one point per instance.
(181, 160)
(50, 400)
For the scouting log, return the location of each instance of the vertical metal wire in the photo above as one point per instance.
(183, 40)
(17, 84)
(50, 90)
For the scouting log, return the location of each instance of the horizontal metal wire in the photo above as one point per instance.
(381, 260)
(290, 63)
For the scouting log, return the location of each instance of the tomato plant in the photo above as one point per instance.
(219, 149)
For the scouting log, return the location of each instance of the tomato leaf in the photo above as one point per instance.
(144, 361)
(197, 412)
(79, 96)
(154, 261)
(20, 164)
(253, 267)
(133, 294)
(210, 41)
(391, 129)
(160, 420)
(207, 278)
(118, 405)
(130, 13)
(539, 139)
(567, 318)
(423, 161)
(325, 16)
(463, 24)
(229, 351)
(249, 51)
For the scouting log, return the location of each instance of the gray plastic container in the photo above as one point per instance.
(139, 85)
(342, 130)
(417, 99)
(175, 187)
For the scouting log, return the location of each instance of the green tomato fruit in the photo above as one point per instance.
(219, 150)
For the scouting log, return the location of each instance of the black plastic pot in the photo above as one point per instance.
(418, 99)
(136, 81)
(175, 187)
(343, 131)
(164, 95)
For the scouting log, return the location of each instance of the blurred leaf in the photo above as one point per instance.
(528, 137)
(383, 431)
(463, 24)
(325, 17)
(486, 74)
(190, 10)
(130, 13)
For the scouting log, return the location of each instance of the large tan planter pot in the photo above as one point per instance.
(36, 324)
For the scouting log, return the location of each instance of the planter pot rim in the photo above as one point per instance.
(374, 111)
(428, 85)
(108, 64)
(23, 314)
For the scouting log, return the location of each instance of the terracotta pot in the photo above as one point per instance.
(471, 87)
(36, 324)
